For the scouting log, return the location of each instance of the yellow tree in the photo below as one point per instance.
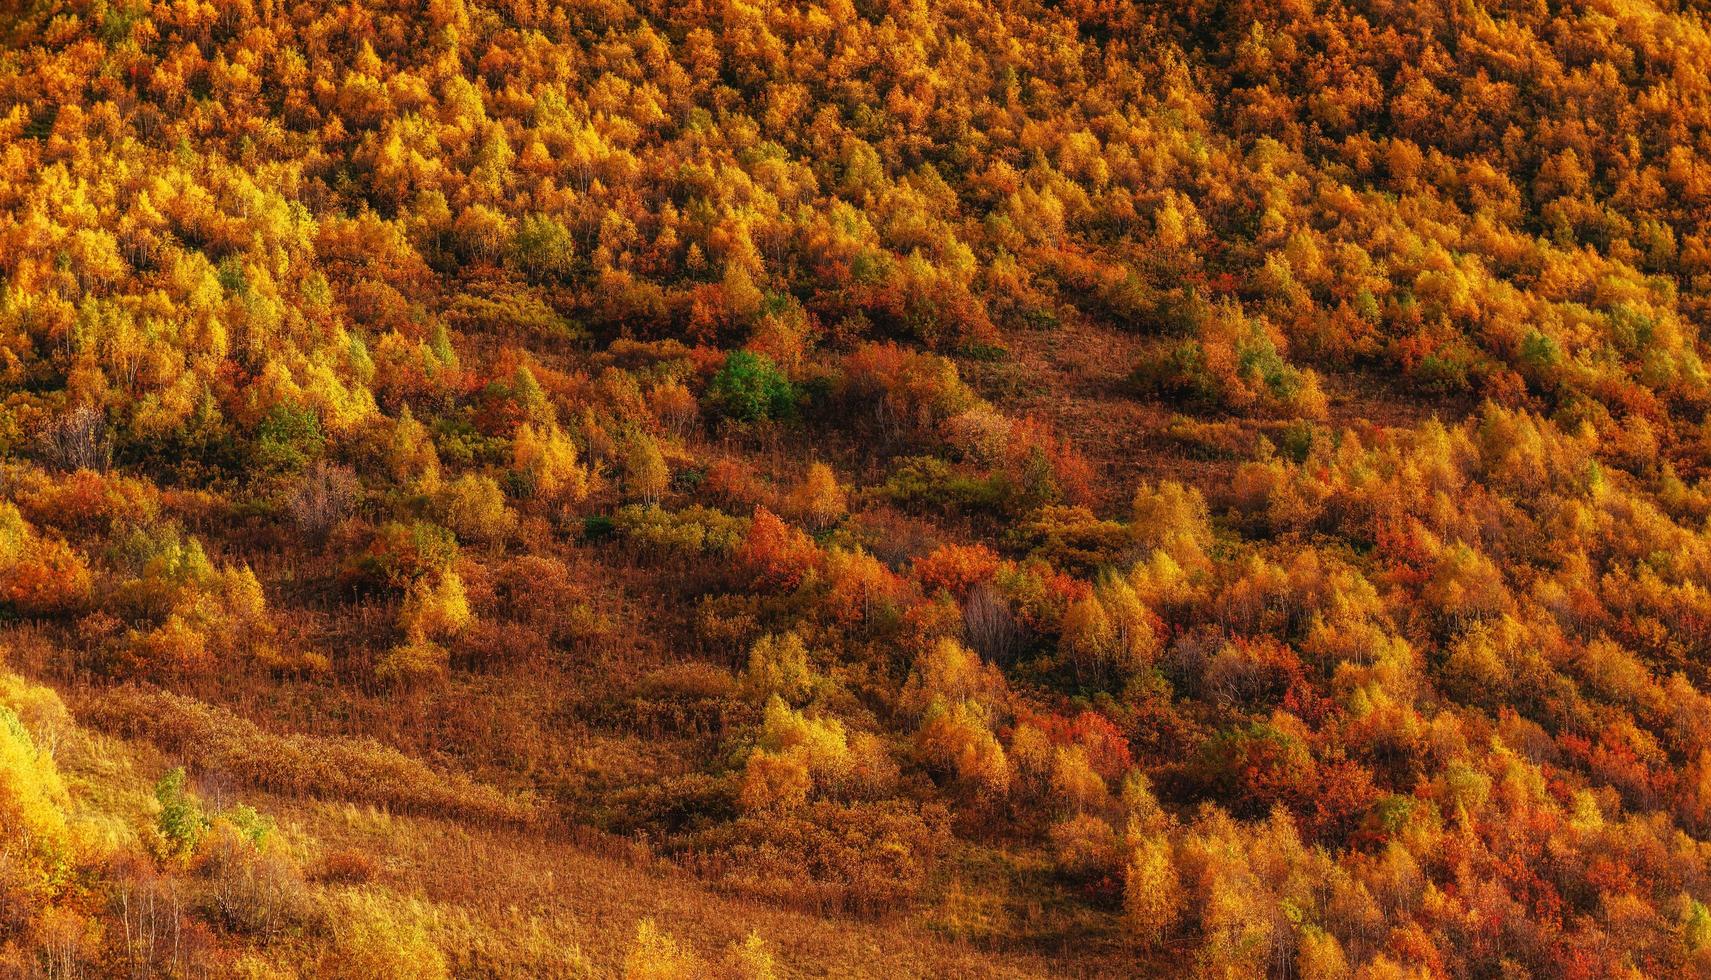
(646, 475)
(819, 501)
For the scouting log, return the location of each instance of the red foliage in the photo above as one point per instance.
(1107, 749)
(1344, 795)
(777, 555)
(51, 581)
(956, 568)
(87, 502)
(1031, 439)
(858, 584)
(733, 481)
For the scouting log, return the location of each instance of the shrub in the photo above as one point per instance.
(1178, 372)
(776, 555)
(646, 475)
(33, 803)
(399, 554)
(674, 406)
(474, 508)
(324, 497)
(955, 738)
(410, 453)
(1152, 893)
(1073, 537)
(175, 646)
(251, 889)
(819, 501)
(774, 781)
(181, 822)
(693, 530)
(543, 248)
(949, 671)
(544, 463)
(435, 610)
(656, 956)
(47, 579)
(691, 680)
(909, 389)
(362, 770)
(778, 666)
(77, 439)
(288, 439)
(417, 660)
(865, 857)
(1172, 518)
(376, 937)
(347, 866)
(542, 592)
(930, 482)
(733, 483)
(860, 586)
(85, 502)
(749, 388)
(1085, 846)
(957, 568)
(749, 960)
(1249, 769)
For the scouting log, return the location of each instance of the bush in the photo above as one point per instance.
(1178, 373)
(778, 556)
(251, 889)
(323, 498)
(33, 802)
(932, 483)
(1072, 537)
(778, 665)
(416, 661)
(956, 739)
(656, 956)
(78, 440)
(542, 592)
(288, 438)
(85, 502)
(750, 388)
(48, 579)
(543, 248)
(379, 938)
(181, 822)
(749, 960)
(864, 857)
(544, 462)
(692, 531)
(360, 770)
(474, 508)
(646, 475)
(774, 781)
(436, 610)
(819, 501)
(1153, 895)
(399, 554)
(674, 406)
(1085, 846)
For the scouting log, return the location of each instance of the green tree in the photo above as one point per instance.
(750, 388)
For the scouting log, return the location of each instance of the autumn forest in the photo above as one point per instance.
(739, 489)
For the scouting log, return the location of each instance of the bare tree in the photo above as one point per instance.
(326, 495)
(76, 439)
(991, 627)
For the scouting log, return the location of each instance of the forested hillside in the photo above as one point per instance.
(973, 488)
